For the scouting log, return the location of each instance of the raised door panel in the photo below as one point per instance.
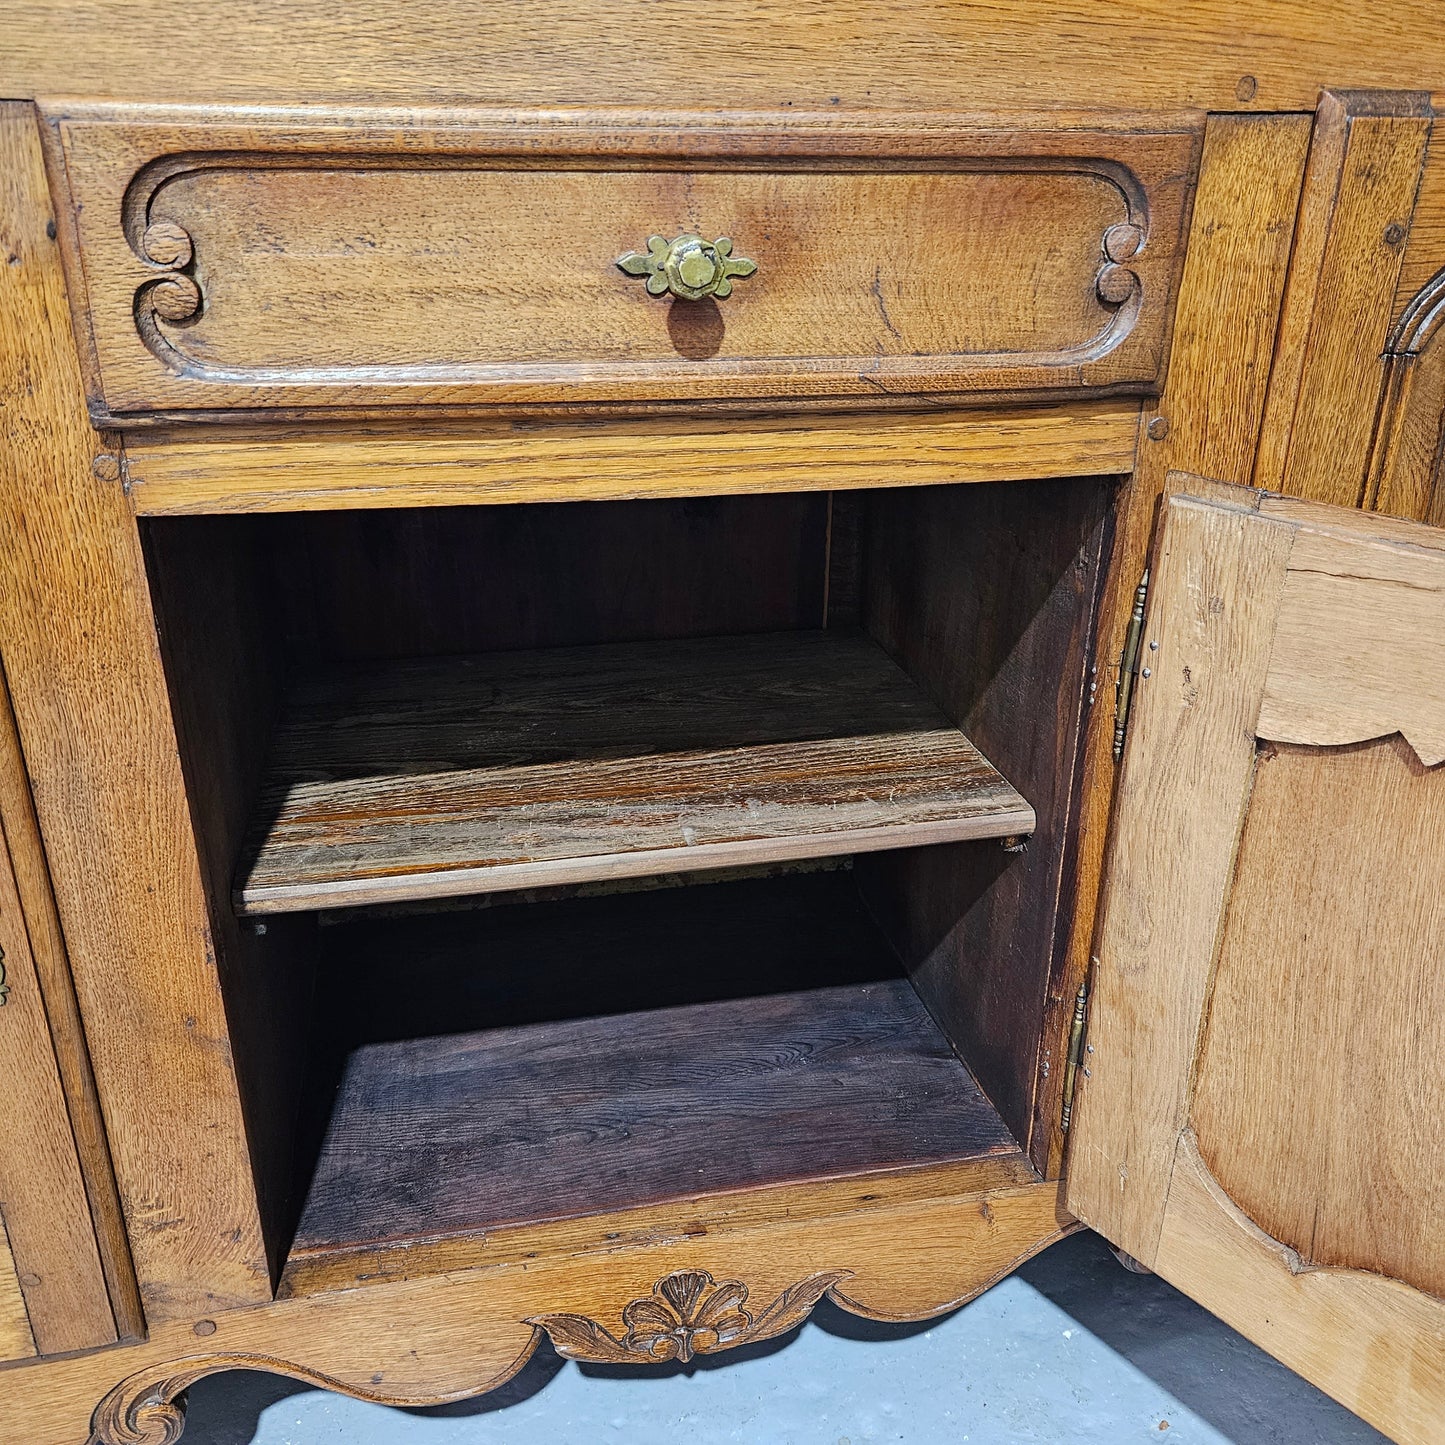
(1257, 1114)
(460, 260)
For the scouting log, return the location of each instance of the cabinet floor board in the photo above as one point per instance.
(463, 1134)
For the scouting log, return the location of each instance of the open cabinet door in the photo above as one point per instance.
(1260, 1115)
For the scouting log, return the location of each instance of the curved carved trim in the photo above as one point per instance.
(1321, 1321)
(145, 1409)
(1203, 1183)
(1116, 284)
(688, 1313)
(1407, 452)
(1421, 319)
(149, 1408)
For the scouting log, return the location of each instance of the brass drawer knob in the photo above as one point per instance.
(688, 267)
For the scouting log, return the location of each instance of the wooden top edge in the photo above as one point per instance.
(1354, 525)
(914, 1184)
(1305, 515)
(1397, 104)
(335, 429)
(1182, 486)
(867, 119)
(260, 899)
(998, 1165)
(1218, 54)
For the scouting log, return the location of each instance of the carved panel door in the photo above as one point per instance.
(1258, 1116)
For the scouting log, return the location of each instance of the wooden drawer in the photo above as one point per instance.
(296, 261)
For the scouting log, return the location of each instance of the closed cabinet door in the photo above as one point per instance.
(1260, 1105)
(53, 1290)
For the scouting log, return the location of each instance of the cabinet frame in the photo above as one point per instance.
(207, 1285)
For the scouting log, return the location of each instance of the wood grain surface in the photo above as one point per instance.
(361, 586)
(1215, 585)
(1207, 422)
(1355, 214)
(218, 617)
(1372, 1343)
(1330, 679)
(214, 469)
(67, 1036)
(429, 1341)
(653, 948)
(94, 718)
(16, 1340)
(1407, 465)
(1248, 1148)
(988, 596)
(1342, 1165)
(1425, 250)
(1406, 476)
(42, 1190)
(426, 779)
(373, 260)
(465, 1134)
(1218, 54)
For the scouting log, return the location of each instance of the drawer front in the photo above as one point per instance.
(464, 262)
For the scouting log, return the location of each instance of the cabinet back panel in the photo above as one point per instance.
(359, 585)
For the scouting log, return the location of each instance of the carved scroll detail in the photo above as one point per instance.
(144, 1410)
(687, 1314)
(148, 1407)
(1116, 282)
(174, 296)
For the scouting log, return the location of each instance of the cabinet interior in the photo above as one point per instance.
(571, 859)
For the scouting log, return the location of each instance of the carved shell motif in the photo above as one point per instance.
(687, 1314)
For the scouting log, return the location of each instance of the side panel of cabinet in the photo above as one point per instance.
(1257, 1117)
(43, 1198)
(93, 714)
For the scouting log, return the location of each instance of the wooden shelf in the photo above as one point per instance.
(439, 1146)
(422, 779)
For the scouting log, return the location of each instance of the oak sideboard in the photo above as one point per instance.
(659, 663)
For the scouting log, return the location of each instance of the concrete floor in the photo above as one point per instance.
(1071, 1349)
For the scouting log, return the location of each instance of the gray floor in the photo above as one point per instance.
(1072, 1349)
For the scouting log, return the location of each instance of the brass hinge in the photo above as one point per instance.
(1129, 665)
(1075, 1057)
